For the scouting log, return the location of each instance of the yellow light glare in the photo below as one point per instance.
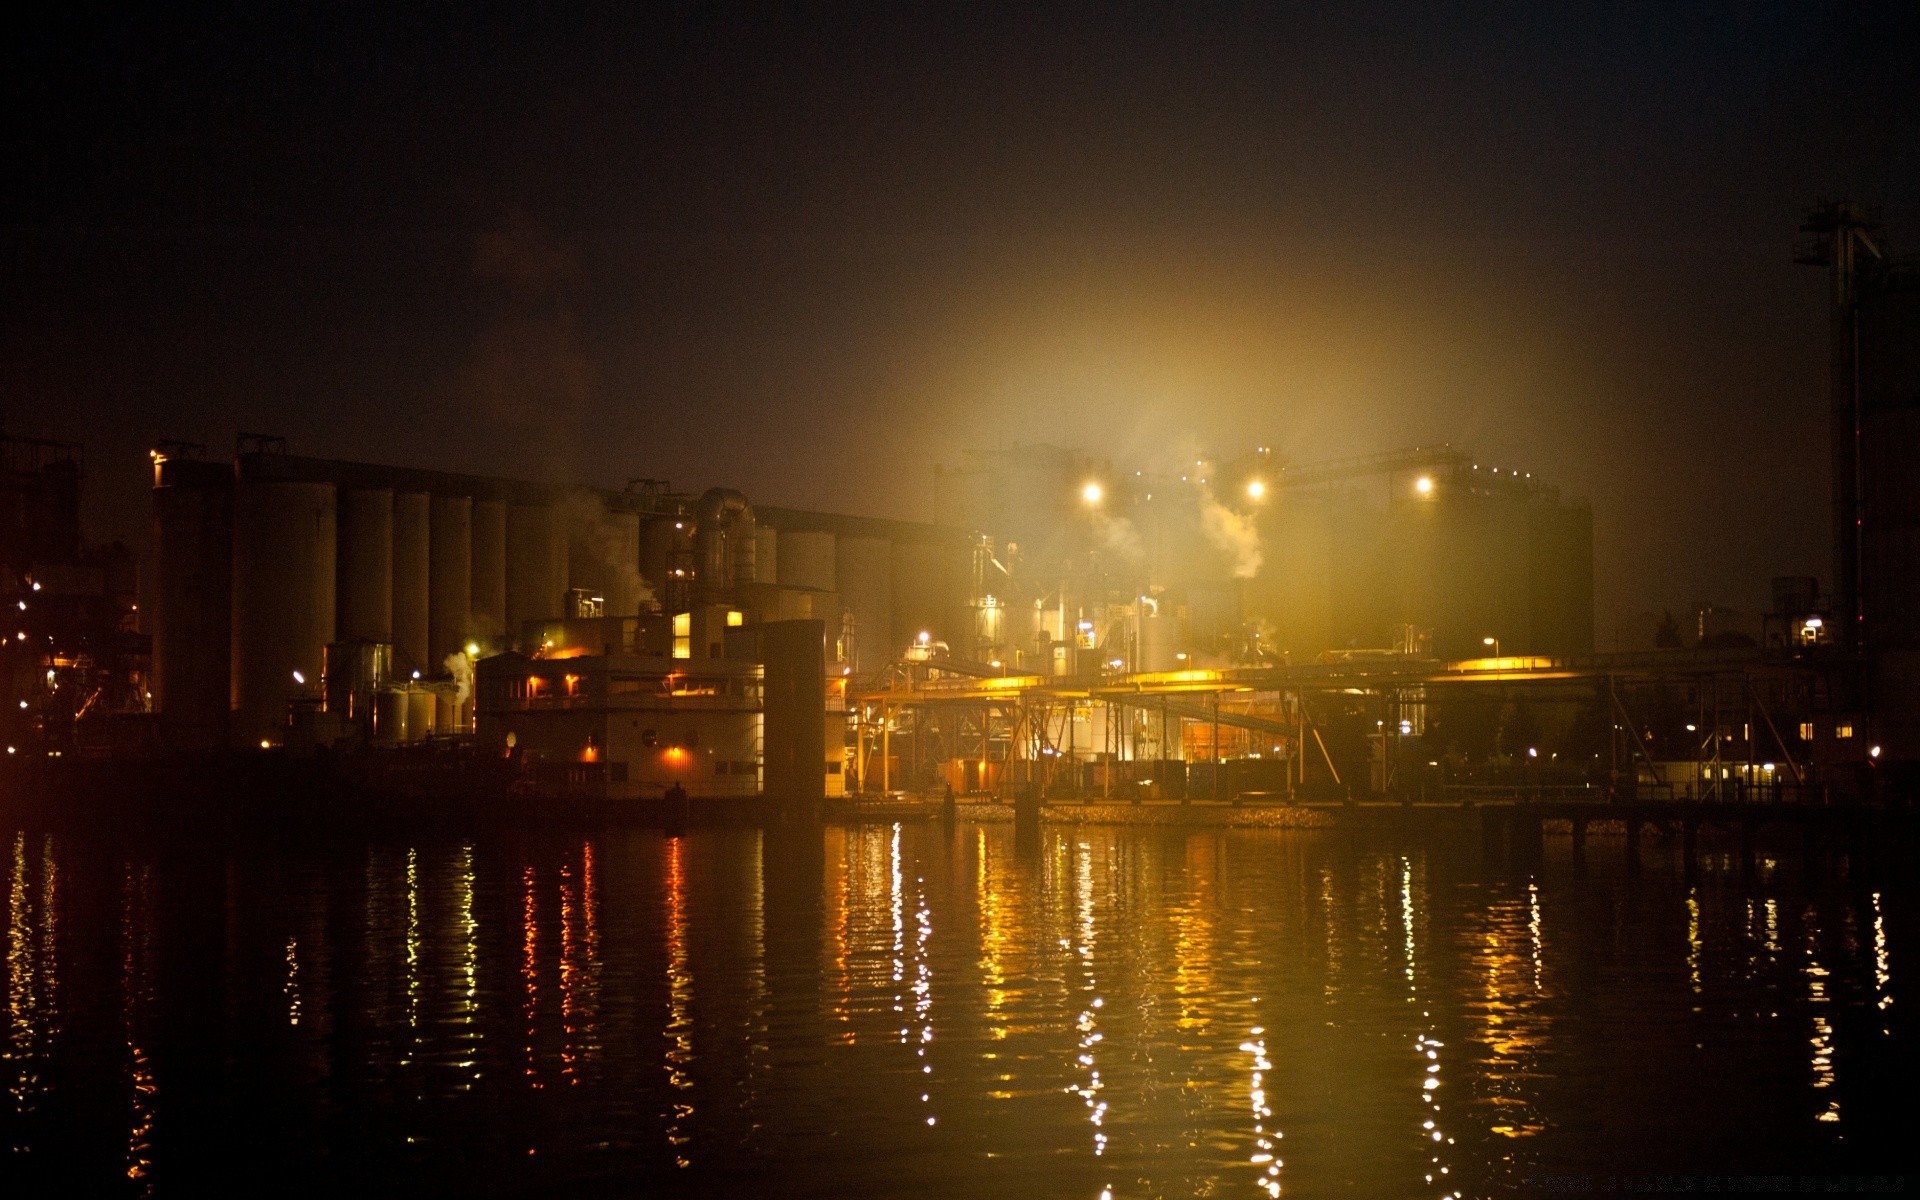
(1092, 493)
(1256, 489)
(1424, 485)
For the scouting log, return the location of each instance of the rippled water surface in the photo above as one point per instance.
(895, 1010)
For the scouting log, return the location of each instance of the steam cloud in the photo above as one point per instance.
(1117, 536)
(1232, 534)
(611, 547)
(461, 668)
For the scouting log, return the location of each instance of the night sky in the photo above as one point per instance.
(811, 254)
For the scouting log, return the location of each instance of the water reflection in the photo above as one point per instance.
(679, 1026)
(1122, 1012)
(1819, 1004)
(136, 989)
(33, 981)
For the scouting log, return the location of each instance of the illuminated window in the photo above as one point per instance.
(683, 635)
(1843, 729)
(735, 618)
(1806, 731)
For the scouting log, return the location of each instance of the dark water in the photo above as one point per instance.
(901, 1010)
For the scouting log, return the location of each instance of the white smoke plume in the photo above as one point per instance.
(613, 552)
(1118, 537)
(461, 668)
(1232, 534)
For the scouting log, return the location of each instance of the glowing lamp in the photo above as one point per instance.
(1424, 485)
(1092, 493)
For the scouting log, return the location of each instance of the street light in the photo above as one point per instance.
(1493, 642)
(1424, 485)
(1255, 489)
(1092, 493)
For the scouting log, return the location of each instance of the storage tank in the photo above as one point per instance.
(806, 559)
(489, 603)
(192, 609)
(420, 714)
(365, 579)
(449, 577)
(536, 566)
(390, 718)
(863, 574)
(1158, 633)
(410, 571)
(284, 545)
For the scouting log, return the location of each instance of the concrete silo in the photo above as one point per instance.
(365, 574)
(284, 547)
(411, 514)
(863, 573)
(192, 615)
(806, 559)
(536, 566)
(489, 600)
(449, 577)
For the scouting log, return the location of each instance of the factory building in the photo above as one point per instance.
(73, 664)
(1874, 414)
(1251, 560)
(308, 602)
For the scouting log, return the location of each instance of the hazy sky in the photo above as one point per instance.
(811, 254)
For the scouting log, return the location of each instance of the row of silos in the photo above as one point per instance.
(262, 567)
(894, 581)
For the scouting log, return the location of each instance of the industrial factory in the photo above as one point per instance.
(610, 640)
(1229, 626)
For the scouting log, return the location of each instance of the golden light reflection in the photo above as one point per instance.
(1426, 1048)
(588, 1002)
(1882, 968)
(292, 985)
(468, 1007)
(1822, 1040)
(1088, 1021)
(1693, 940)
(136, 990)
(1264, 1158)
(838, 847)
(1332, 943)
(679, 1030)
(1533, 929)
(1193, 935)
(20, 1000)
(993, 938)
(32, 979)
(530, 971)
(570, 1013)
(413, 952)
(923, 989)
